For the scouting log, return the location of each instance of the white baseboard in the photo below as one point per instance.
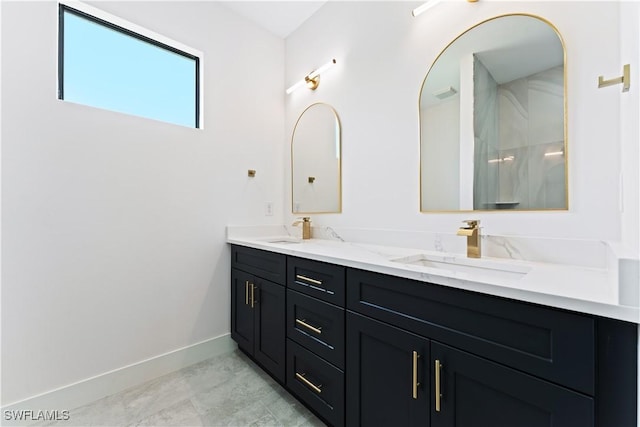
(88, 390)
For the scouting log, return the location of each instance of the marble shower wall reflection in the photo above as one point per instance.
(519, 141)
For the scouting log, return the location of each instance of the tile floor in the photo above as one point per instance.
(226, 390)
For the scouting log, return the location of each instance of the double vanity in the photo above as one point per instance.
(383, 335)
(542, 334)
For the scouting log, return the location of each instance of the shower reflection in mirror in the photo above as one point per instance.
(493, 119)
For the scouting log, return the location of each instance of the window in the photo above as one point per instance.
(105, 65)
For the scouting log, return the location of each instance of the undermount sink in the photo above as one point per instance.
(283, 240)
(471, 266)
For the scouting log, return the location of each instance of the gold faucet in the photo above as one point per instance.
(472, 231)
(306, 227)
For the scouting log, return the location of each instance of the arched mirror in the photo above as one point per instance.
(493, 120)
(315, 161)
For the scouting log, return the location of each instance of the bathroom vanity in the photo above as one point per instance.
(372, 335)
(360, 344)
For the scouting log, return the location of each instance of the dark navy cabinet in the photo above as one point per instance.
(387, 375)
(367, 349)
(475, 392)
(258, 307)
(315, 336)
(490, 362)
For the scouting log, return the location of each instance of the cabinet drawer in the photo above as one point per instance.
(268, 265)
(316, 325)
(316, 382)
(318, 279)
(553, 344)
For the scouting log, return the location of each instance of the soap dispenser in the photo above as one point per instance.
(306, 227)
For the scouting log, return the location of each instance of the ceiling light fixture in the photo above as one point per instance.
(445, 93)
(428, 5)
(502, 159)
(554, 153)
(312, 80)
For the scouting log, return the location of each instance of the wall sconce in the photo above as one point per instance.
(428, 5)
(312, 80)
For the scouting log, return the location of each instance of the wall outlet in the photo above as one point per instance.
(268, 208)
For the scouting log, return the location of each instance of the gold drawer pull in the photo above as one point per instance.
(253, 299)
(414, 392)
(308, 279)
(246, 292)
(316, 388)
(438, 368)
(308, 326)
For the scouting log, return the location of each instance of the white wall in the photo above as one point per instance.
(630, 124)
(113, 226)
(383, 55)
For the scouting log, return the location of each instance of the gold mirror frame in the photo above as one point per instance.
(565, 130)
(310, 179)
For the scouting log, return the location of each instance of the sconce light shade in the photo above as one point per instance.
(312, 80)
(428, 5)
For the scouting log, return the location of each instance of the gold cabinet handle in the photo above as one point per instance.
(438, 393)
(308, 326)
(253, 300)
(246, 292)
(414, 392)
(316, 388)
(308, 279)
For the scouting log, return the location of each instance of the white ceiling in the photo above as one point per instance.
(279, 17)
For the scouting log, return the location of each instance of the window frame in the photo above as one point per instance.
(140, 33)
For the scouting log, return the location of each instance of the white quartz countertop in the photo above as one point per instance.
(582, 289)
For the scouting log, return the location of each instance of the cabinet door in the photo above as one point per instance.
(387, 375)
(241, 311)
(478, 393)
(270, 313)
